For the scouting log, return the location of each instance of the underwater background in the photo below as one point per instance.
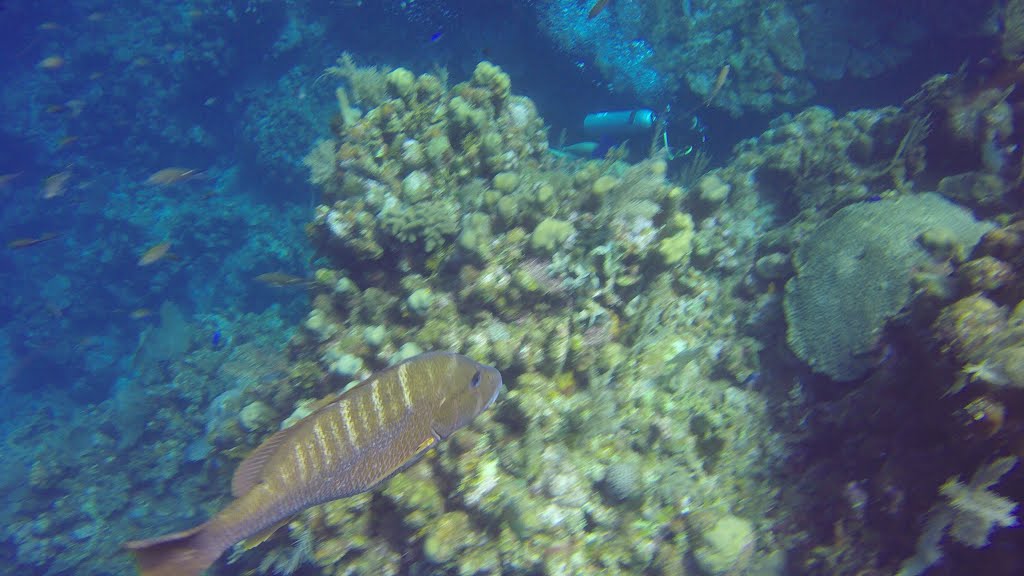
(766, 320)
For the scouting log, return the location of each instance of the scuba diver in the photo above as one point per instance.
(639, 130)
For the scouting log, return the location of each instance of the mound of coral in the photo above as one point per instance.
(448, 226)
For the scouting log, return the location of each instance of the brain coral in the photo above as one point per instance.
(854, 273)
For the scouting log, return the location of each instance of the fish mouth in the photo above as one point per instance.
(494, 395)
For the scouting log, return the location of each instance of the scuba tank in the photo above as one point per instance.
(621, 123)
(610, 127)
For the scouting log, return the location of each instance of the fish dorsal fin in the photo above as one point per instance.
(323, 403)
(250, 471)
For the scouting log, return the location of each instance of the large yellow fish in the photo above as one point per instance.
(370, 433)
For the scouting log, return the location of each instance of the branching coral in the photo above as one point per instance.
(367, 83)
(322, 163)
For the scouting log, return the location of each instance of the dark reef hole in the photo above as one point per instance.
(890, 437)
(386, 524)
(512, 417)
(936, 55)
(776, 187)
(709, 444)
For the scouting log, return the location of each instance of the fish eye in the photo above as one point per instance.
(475, 380)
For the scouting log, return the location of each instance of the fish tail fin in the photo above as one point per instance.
(186, 553)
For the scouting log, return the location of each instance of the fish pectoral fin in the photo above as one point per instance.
(427, 444)
(261, 537)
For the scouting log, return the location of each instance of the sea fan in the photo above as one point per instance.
(977, 510)
(971, 509)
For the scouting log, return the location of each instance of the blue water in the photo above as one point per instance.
(662, 394)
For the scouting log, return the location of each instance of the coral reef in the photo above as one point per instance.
(655, 420)
(815, 163)
(958, 311)
(448, 226)
(779, 53)
(168, 429)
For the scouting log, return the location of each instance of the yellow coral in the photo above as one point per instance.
(676, 249)
(491, 77)
(321, 162)
(368, 83)
(348, 114)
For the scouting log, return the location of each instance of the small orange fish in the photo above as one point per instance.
(66, 141)
(51, 63)
(96, 16)
(169, 176)
(723, 75)
(26, 242)
(6, 179)
(281, 280)
(89, 342)
(140, 313)
(56, 185)
(154, 254)
(49, 26)
(75, 106)
(596, 9)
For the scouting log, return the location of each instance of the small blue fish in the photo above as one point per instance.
(873, 198)
(436, 36)
(217, 341)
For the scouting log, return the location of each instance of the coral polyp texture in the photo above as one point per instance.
(406, 173)
(854, 274)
